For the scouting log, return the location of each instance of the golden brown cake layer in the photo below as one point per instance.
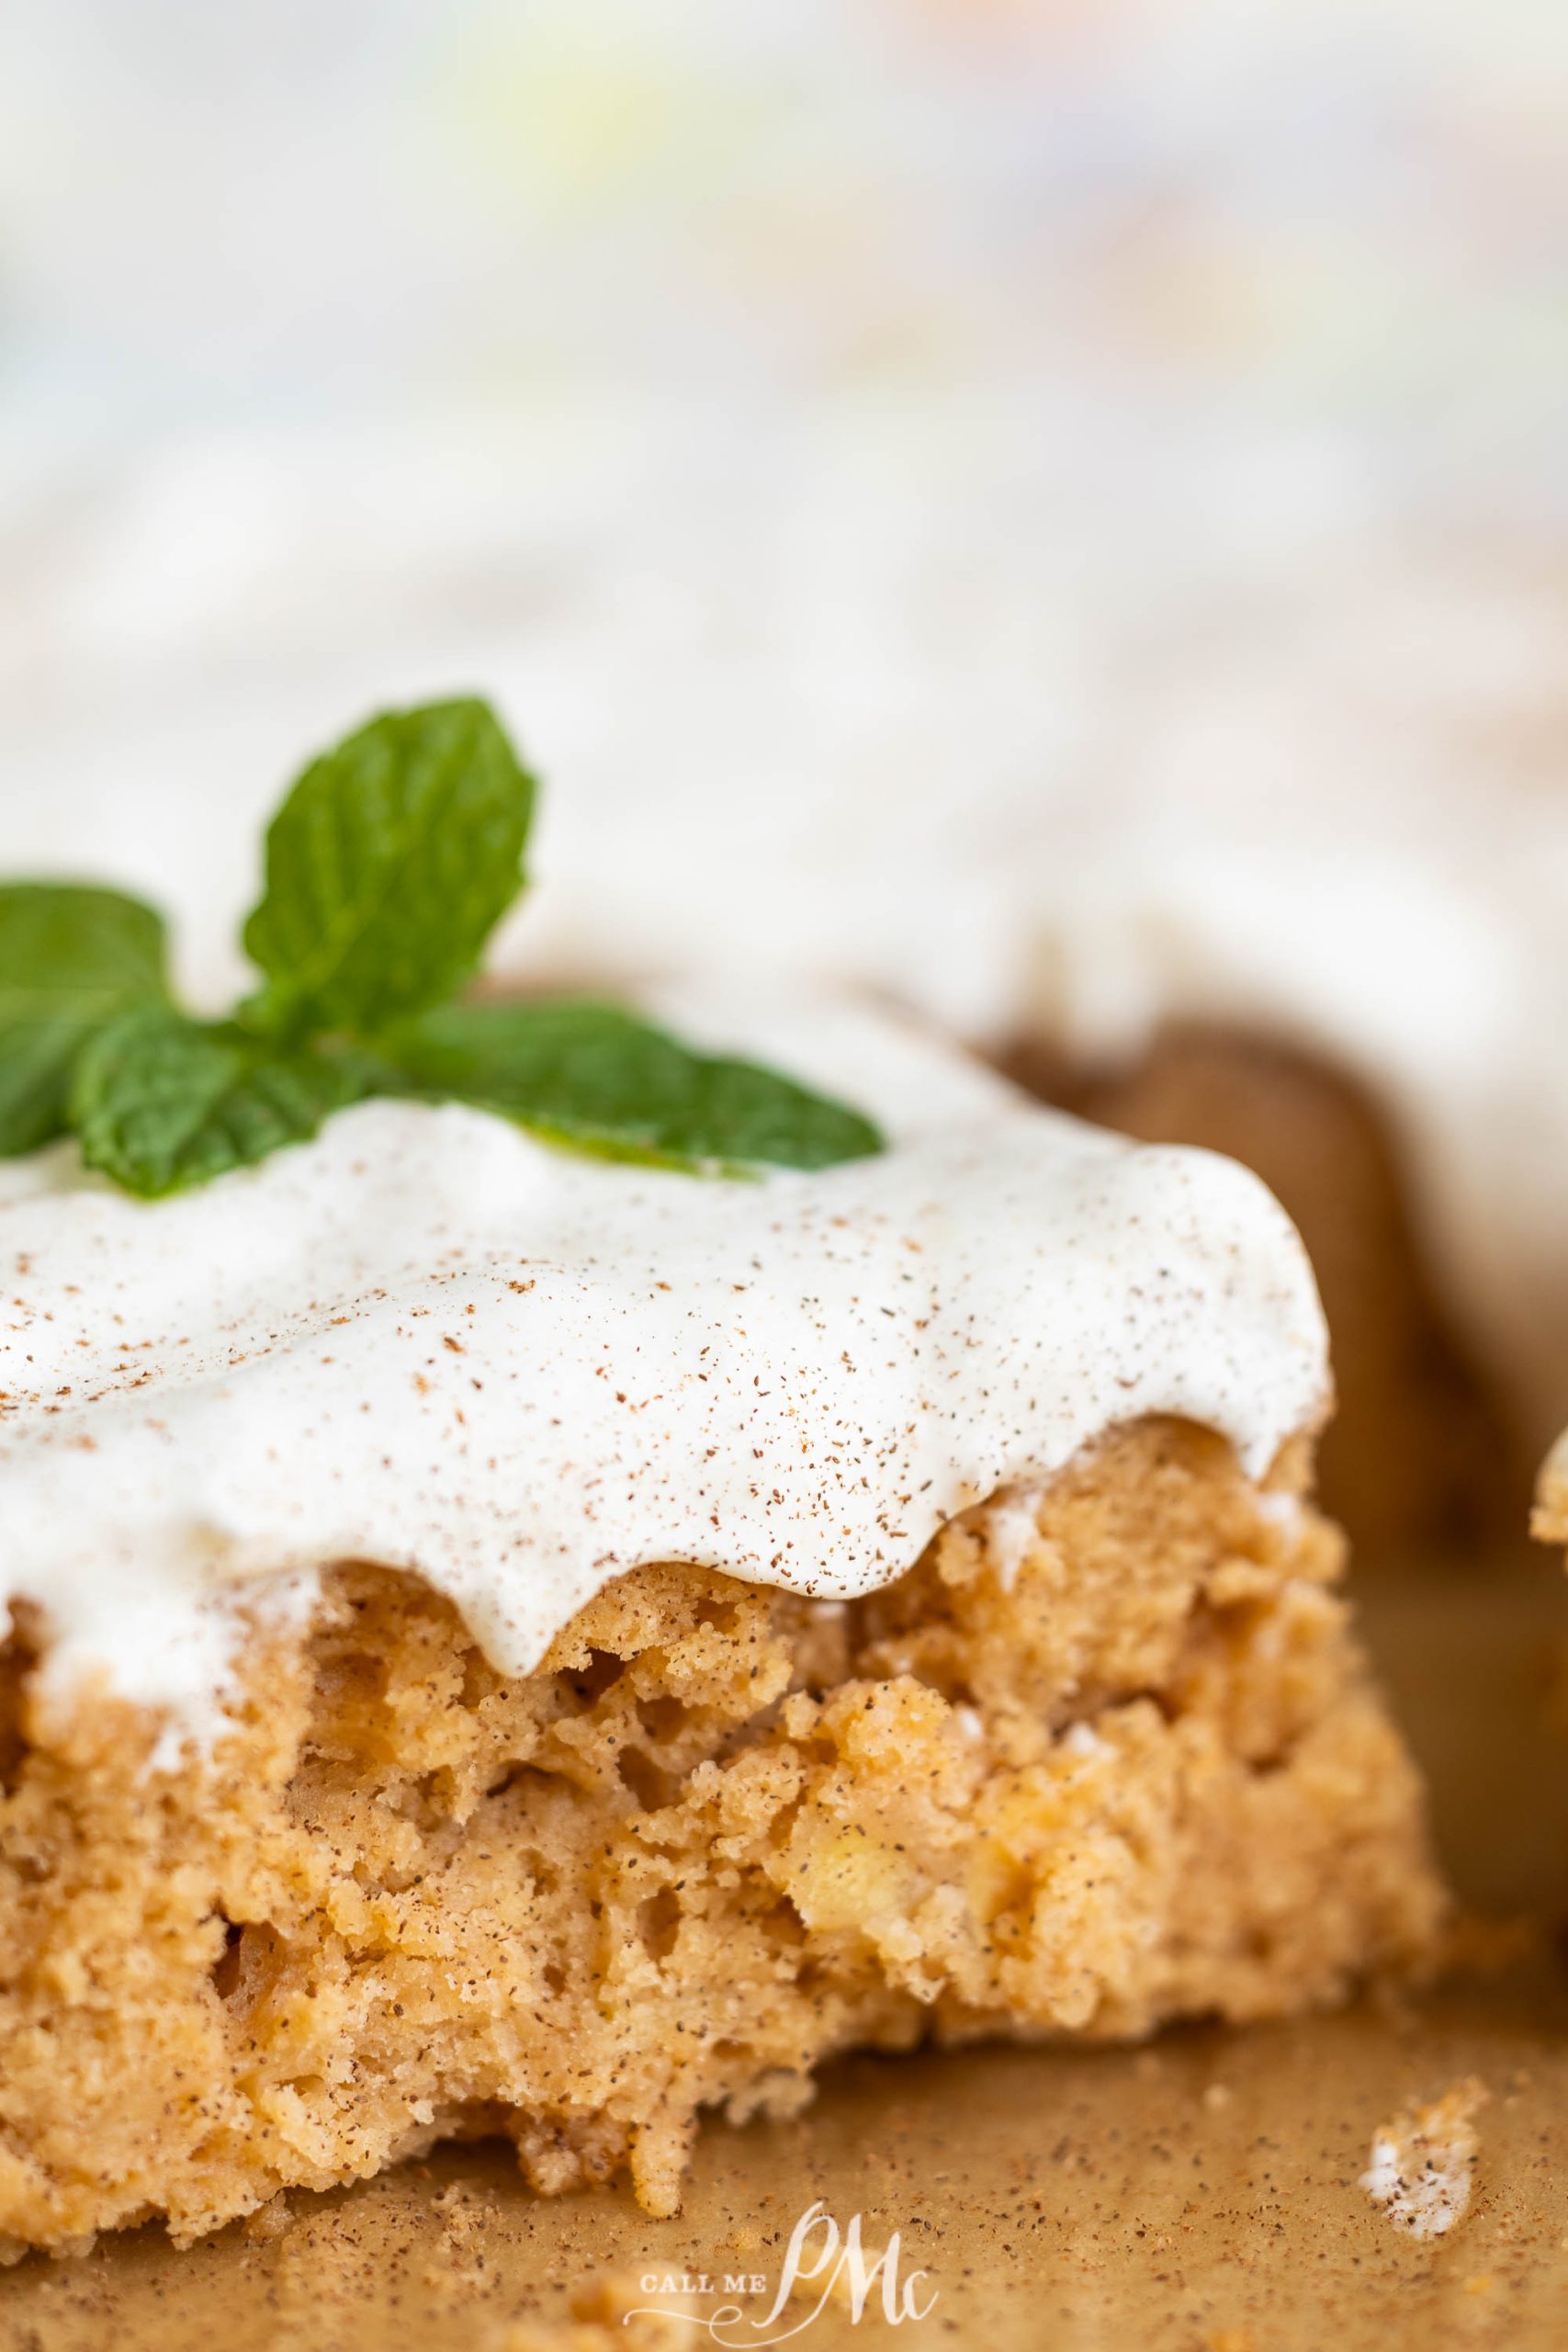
(1074, 1778)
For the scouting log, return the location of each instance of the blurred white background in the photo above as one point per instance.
(888, 456)
(1338, 214)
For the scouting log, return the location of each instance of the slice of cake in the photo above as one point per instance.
(503, 1642)
(1423, 1455)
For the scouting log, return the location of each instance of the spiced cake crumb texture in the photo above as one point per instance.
(1127, 1768)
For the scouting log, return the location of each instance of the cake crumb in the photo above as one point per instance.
(609, 2313)
(1422, 2163)
(268, 2223)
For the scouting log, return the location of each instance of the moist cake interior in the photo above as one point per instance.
(1107, 1755)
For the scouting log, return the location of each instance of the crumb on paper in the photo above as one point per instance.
(462, 2208)
(268, 2222)
(460, 2255)
(1424, 2164)
(608, 2314)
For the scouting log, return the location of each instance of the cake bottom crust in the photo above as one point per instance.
(1107, 1755)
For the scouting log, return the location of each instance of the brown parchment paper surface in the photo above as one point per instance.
(1200, 2195)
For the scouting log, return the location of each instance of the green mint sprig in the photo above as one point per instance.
(386, 868)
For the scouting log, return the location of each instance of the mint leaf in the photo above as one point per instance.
(162, 1103)
(71, 958)
(602, 1081)
(387, 866)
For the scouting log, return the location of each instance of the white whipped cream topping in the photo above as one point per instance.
(429, 1341)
